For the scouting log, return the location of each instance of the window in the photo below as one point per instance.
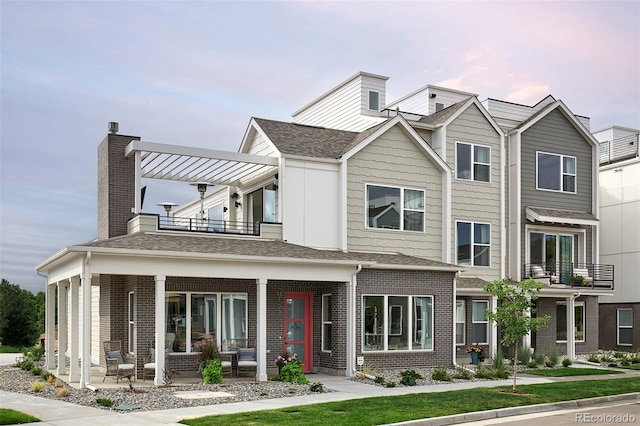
(374, 100)
(473, 243)
(480, 323)
(215, 218)
(439, 106)
(397, 323)
(260, 205)
(473, 162)
(131, 321)
(326, 322)
(561, 322)
(460, 323)
(191, 317)
(395, 208)
(625, 326)
(556, 172)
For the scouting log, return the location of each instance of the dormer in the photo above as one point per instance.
(429, 99)
(353, 105)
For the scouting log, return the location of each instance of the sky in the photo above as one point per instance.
(194, 73)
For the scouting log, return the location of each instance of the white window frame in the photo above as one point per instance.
(386, 327)
(461, 303)
(131, 302)
(618, 326)
(326, 322)
(561, 175)
(377, 103)
(485, 321)
(584, 321)
(472, 162)
(473, 244)
(439, 104)
(402, 208)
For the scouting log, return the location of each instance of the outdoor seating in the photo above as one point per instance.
(117, 363)
(247, 360)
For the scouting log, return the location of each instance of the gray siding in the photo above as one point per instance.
(555, 134)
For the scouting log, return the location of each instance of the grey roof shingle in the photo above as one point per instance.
(443, 115)
(562, 214)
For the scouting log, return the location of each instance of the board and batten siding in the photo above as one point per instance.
(395, 160)
(555, 134)
(473, 201)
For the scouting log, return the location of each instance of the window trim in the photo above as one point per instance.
(472, 162)
(131, 317)
(485, 322)
(584, 321)
(464, 322)
(618, 326)
(387, 323)
(561, 175)
(473, 244)
(326, 321)
(377, 108)
(402, 208)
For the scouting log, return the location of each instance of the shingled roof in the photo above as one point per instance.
(443, 115)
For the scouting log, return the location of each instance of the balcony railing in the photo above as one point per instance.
(619, 149)
(598, 276)
(191, 224)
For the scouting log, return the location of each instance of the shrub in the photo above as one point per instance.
(38, 386)
(36, 371)
(538, 357)
(292, 372)
(606, 357)
(26, 365)
(62, 392)
(390, 384)
(104, 402)
(58, 383)
(500, 368)
(593, 358)
(212, 373)
(532, 364)
(553, 358)
(409, 377)
(462, 373)
(619, 355)
(37, 353)
(441, 374)
(379, 380)
(524, 355)
(566, 362)
(50, 378)
(483, 372)
(316, 387)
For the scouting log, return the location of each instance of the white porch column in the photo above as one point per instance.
(526, 341)
(494, 329)
(85, 369)
(74, 368)
(571, 326)
(351, 329)
(50, 326)
(160, 329)
(62, 328)
(261, 340)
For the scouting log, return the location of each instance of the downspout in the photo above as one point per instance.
(454, 347)
(46, 293)
(352, 324)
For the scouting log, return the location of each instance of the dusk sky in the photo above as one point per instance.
(194, 73)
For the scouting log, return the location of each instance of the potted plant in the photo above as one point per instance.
(476, 353)
(208, 352)
(577, 280)
(282, 360)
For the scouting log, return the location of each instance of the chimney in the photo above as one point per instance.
(116, 184)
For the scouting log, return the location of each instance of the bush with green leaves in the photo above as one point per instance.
(104, 402)
(316, 387)
(532, 364)
(379, 380)
(212, 372)
(36, 371)
(26, 365)
(462, 373)
(500, 368)
(593, 357)
(441, 374)
(524, 356)
(539, 357)
(566, 362)
(292, 372)
(409, 377)
(390, 384)
(483, 372)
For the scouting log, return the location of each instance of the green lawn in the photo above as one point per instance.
(632, 367)
(564, 372)
(10, 350)
(13, 417)
(425, 405)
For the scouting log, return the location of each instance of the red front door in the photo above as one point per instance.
(298, 320)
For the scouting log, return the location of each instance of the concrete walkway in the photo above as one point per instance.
(60, 413)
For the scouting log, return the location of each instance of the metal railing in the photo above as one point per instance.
(598, 276)
(191, 224)
(619, 149)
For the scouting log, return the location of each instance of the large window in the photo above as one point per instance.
(625, 327)
(556, 172)
(480, 323)
(473, 162)
(473, 243)
(397, 323)
(326, 322)
(193, 317)
(460, 322)
(395, 208)
(132, 318)
(260, 205)
(561, 322)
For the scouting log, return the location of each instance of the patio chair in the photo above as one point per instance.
(118, 364)
(247, 360)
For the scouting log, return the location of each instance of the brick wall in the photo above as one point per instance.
(609, 326)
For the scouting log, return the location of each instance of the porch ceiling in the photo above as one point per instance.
(180, 163)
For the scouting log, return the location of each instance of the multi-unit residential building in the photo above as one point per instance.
(361, 232)
(620, 242)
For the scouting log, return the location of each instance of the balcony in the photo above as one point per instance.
(620, 149)
(594, 276)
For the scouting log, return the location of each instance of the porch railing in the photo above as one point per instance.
(191, 224)
(620, 149)
(563, 273)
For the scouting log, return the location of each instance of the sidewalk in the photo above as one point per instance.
(60, 413)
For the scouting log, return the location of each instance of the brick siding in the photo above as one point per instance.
(609, 326)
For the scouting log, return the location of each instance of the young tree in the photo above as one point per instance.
(513, 315)
(18, 316)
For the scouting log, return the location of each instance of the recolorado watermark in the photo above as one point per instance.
(605, 418)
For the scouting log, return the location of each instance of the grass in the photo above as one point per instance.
(10, 350)
(12, 417)
(565, 372)
(632, 367)
(425, 405)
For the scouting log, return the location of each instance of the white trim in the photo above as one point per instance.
(472, 243)
(578, 238)
(472, 162)
(377, 101)
(131, 320)
(618, 326)
(562, 173)
(485, 322)
(456, 322)
(584, 320)
(401, 208)
(324, 321)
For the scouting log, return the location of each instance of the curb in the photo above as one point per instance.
(516, 411)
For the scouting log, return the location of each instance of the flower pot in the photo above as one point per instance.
(475, 358)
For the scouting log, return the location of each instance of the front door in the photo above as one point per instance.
(298, 321)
